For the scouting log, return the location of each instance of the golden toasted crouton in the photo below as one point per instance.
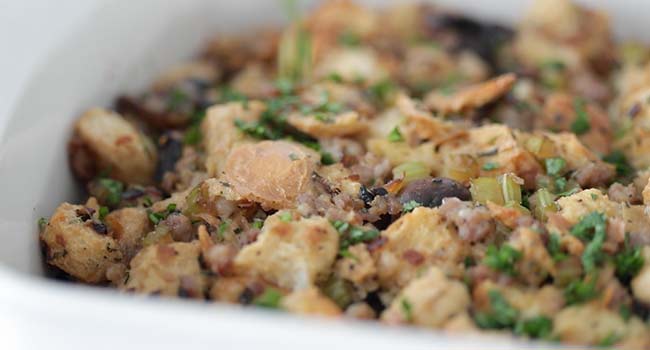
(530, 302)
(343, 124)
(76, 247)
(200, 69)
(220, 134)
(416, 241)
(536, 263)
(272, 173)
(289, 252)
(352, 65)
(430, 301)
(128, 226)
(167, 269)
(309, 301)
(358, 268)
(560, 112)
(471, 97)
(117, 146)
(588, 324)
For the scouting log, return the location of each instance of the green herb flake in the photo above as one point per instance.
(335, 77)
(157, 217)
(536, 327)
(554, 247)
(591, 228)
(42, 222)
(326, 158)
(619, 160)
(351, 235)
(258, 223)
(625, 312)
(609, 340)
(628, 262)
(176, 99)
(113, 189)
(407, 309)
(580, 291)
(269, 299)
(382, 91)
(489, 166)
(581, 124)
(286, 216)
(223, 227)
(103, 211)
(502, 314)
(502, 259)
(410, 206)
(395, 135)
(554, 166)
(348, 38)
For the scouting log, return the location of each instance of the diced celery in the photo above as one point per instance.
(460, 167)
(544, 203)
(510, 188)
(484, 189)
(411, 171)
(540, 146)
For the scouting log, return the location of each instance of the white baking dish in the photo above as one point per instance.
(62, 57)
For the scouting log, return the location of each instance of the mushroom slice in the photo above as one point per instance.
(272, 173)
(471, 97)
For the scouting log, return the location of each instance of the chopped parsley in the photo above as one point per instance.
(628, 262)
(113, 190)
(103, 211)
(326, 158)
(502, 258)
(619, 160)
(489, 166)
(609, 340)
(258, 223)
(286, 217)
(223, 227)
(554, 247)
(176, 99)
(348, 38)
(156, 217)
(407, 309)
(351, 235)
(395, 135)
(535, 327)
(502, 314)
(381, 92)
(581, 124)
(554, 166)
(42, 222)
(193, 133)
(410, 206)
(591, 229)
(269, 299)
(580, 291)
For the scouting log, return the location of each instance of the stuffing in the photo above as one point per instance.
(292, 253)
(115, 146)
(416, 241)
(167, 269)
(78, 244)
(429, 301)
(309, 301)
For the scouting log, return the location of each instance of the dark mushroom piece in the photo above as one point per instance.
(430, 192)
(170, 150)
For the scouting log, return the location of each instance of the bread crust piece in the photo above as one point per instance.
(310, 301)
(272, 173)
(76, 248)
(117, 146)
(431, 301)
(292, 254)
(418, 240)
(167, 269)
